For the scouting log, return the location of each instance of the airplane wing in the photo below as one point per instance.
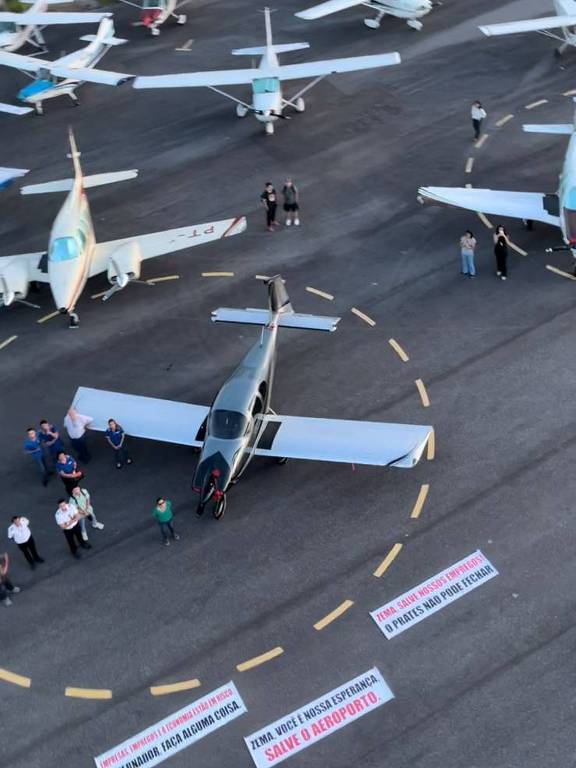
(331, 66)
(148, 417)
(33, 64)
(197, 79)
(12, 110)
(532, 25)
(7, 174)
(160, 243)
(26, 265)
(325, 9)
(49, 18)
(518, 205)
(349, 442)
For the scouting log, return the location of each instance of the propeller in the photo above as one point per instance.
(115, 288)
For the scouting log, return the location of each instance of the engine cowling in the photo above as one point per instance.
(124, 264)
(14, 282)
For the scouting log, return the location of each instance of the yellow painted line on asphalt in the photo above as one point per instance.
(262, 659)
(12, 677)
(217, 274)
(504, 120)
(261, 277)
(388, 560)
(557, 271)
(569, 93)
(482, 140)
(98, 295)
(517, 248)
(469, 165)
(423, 394)
(415, 514)
(317, 292)
(154, 280)
(485, 220)
(342, 608)
(398, 349)
(535, 104)
(362, 316)
(51, 316)
(7, 341)
(431, 450)
(185, 685)
(88, 693)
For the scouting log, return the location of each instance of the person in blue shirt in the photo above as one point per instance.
(33, 447)
(68, 470)
(50, 439)
(117, 439)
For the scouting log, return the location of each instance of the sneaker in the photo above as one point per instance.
(98, 525)
(176, 537)
(270, 229)
(166, 543)
(498, 274)
(276, 223)
(84, 536)
(7, 601)
(296, 222)
(129, 461)
(503, 277)
(118, 465)
(16, 590)
(288, 222)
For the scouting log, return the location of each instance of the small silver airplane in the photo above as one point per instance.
(7, 175)
(564, 20)
(154, 13)
(240, 424)
(63, 76)
(18, 29)
(557, 209)
(410, 10)
(268, 102)
(74, 256)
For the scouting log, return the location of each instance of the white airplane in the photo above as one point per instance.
(558, 209)
(240, 424)
(73, 254)
(63, 76)
(410, 10)
(8, 174)
(564, 20)
(17, 29)
(155, 12)
(268, 102)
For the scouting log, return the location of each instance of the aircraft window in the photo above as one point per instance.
(81, 239)
(63, 249)
(570, 219)
(266, 85)
(149, 4)
(7, 26)
(227, 425)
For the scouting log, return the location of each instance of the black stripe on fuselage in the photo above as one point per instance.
(269, 435)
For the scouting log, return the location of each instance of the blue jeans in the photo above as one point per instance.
(468, 267)
(40, 461)
(165, 529)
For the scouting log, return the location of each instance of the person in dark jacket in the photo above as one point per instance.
(269, 200)
(291, 203)
(501, 243)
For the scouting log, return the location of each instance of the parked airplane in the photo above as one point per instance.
(17, 29)
(240, 423)
(558, 209)
(564, 20)
(410, 10)
(268, 102)
(155, 12)
(63, 76)
(7, 175)
(74, 255)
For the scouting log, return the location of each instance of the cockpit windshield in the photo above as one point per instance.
(7, 26)
(227, 425)
(266, 85)
(63, 249)
(149, 5)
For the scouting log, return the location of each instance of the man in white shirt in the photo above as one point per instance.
(67, 517)
(81, 499)
(478, 113)
(19, 531)
(76, 425)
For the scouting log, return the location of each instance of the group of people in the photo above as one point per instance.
(468, 250)
(291, 205)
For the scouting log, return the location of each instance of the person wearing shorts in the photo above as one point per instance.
(291, 207)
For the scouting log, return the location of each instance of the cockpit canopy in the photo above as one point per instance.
(63, 249)
(266, 85)
(150, 5)
(227, 425)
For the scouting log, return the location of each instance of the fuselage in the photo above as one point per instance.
(267, 91)
(403, 9)
(155, 12)
(567, 194)
(13, 37)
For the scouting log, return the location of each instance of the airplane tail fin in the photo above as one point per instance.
(262, 50)
(74, 154)
(108, 40)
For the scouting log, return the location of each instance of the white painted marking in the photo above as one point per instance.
(536, 104)
(469, 165)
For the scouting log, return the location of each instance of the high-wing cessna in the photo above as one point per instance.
(240, 423)
(8, 174)
(558, 209)
(410, 10)
(564, 21)
(74, 255)
(154, 13)
(267, 100)
(17, 29)
(63, 76)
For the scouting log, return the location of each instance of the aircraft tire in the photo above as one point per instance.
(182, 19)
(283, 460)
(219, 508)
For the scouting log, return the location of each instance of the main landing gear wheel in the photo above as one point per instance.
(219, 508)
(300, 104)
(269, 128)
(415, 24)
(74, 320)
(241, 110)
(283, 460)
(182, 18)
(372, 23)
(154, 31)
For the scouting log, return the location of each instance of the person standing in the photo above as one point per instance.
(269, 200)
(68, 470)
(50, 439)
(6, 587)
(467, 249)
(116, 437)
(33, 447)
(68, 518)
(76, 425)
(19, 531)
(478, 114)
(291, 203)
(501, 243)
(80, 498)
(163, 516)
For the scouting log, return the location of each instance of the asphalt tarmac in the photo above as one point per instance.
(486, 682)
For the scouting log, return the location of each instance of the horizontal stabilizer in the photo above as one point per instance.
(262, 50)
(106, 41)
(7, 174)
(558, 128)
(531, 25)
(9, 109)
(288, 320)
(49, 18)
(324, 9)
(65, 185)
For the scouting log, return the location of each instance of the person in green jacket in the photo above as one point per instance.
(163, 515)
